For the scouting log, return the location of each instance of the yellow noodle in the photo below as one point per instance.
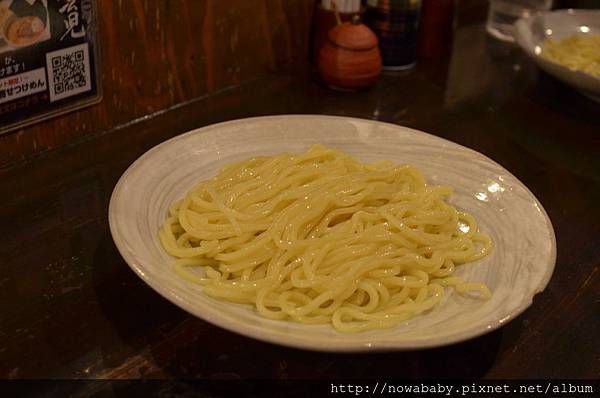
(321, 238)
(578, 52)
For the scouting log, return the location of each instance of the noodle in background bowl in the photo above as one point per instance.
(519, 266)
(530, 34)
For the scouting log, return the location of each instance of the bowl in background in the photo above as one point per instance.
(531, 32)
(30, 20)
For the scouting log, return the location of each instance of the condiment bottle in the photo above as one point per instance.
(350, 59)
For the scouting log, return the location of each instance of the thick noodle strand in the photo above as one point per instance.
(320, 238)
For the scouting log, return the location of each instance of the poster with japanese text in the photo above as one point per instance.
(48, 59)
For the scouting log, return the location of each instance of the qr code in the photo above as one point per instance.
(68, 72)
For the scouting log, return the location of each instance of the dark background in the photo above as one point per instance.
(71, 308)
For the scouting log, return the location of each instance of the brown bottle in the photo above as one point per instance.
(435, 30)
(350, 59)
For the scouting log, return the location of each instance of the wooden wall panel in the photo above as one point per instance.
(158, 53)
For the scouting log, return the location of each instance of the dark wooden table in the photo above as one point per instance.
(71, 308)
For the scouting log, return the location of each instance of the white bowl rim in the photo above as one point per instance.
(333, 345)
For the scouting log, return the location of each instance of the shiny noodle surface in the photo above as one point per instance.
(321, 238)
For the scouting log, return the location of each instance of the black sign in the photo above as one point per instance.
(48, 59)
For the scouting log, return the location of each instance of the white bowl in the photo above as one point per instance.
(519, 266)
(531, 32)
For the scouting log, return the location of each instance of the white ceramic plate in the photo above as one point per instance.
(519, 266)
(531, 32)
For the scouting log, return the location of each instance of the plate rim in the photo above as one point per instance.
(300, 342)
